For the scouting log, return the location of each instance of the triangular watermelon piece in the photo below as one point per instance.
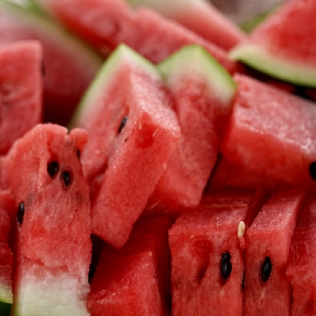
(284, 46)
(53, 247)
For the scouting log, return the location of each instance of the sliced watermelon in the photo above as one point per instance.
(300, 270)
(65, 58)
(53, 248)
(272, 133)
(202, 93)
(132, 136)
(21, 85)
(207, 255)
(284, 45)
(267, 290)
(200, 16)
(107, 23)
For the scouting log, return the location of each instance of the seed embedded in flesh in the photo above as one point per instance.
(226, 265)
(52, 168)
(123, 123)
(20, 213)
(78, 153)
(266, 269)
(312, 170)
(66, 177)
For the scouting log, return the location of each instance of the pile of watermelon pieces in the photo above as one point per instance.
(156, 159)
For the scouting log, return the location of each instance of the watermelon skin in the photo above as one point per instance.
(276, 142)
(281, 46)
(21, 85)
(106, 24)
(53, 246)
(197, 241)
(302, 258)
(270, 235)
(61, 92)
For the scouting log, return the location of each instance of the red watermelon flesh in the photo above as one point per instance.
(107, 23)
(300, 270)
(207, 256)
(69, 65)
(116, 287)
(202, 95)
(272, 133)
(21, 87)
(267, 290)
(53, 249)
(133, 135)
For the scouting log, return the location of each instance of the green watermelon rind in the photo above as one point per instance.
(195, 59)
(105, 75)
(259, 58)
(5, 309)
(6, 295)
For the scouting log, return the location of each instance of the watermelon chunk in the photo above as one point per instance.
(283, 45)
(61, 92)
(134, 280)
(300, 270)
(53, 247)
(21, 87)
(272, 133)
(267, 290)
(132, 136)
(202, 95)
(207, 246)
(107, 23)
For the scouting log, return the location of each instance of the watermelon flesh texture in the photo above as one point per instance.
(202, 95)
(267, 290)
(106, 24)
(21, 85)
(139, 132)
(283, 45)
(53, 246)
(61, 92)
(135, 279)
(200, 17)
(271, 133)
(202, 241)
(300, 270)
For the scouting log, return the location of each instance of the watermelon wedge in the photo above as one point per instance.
(21, 85)
(107, 23)
(267, 290)
(132, 136)
(283, 45)
(60, 48)
(53, 247)
(202, 95)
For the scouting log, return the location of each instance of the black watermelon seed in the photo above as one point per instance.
(78, 153)
(226, 265)
(66, 177)
(20, 213)
(266, 269)
(123, 123)
(312, 170)
(52, 168)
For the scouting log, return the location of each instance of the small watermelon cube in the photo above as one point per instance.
(267, 290)
(52, 217)
(300, 270)
(207, 251)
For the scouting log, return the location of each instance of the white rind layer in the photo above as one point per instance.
(6, 295)
(50, 295)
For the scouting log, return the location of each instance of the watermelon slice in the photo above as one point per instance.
(267, 290)
(107, 23)
(283, 45)
(135, 279)
(300, 270)
(21, 86)
(53, 248)
(202, 93)
(60, 48)
(272, 133)
(132, 136)
(207, 255)
(199, 16)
